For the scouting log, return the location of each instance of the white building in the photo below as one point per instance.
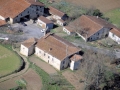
(45, 23)
(115, 34)
(68, 30)
(75, 62)
(61, 22)
(56, 51)
(28, 46)
(19, 10)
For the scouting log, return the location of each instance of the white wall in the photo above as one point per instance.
(48, 58)
(33, 11)
(24, 50)
(114, 37)
(2, 18)
(65, 30)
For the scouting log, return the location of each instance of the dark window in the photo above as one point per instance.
(98, 33)
(63, 62)
(37, 9)
(44, 54)
(21, 14)
(28, 11)
(48, 56)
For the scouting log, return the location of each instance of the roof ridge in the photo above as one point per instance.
(93, 20)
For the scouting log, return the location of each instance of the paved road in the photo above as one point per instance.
(95, 49)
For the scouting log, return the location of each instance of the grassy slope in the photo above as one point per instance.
(114, 16)
(9, 61)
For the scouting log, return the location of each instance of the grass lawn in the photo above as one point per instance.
(9, 61)
(114, 16)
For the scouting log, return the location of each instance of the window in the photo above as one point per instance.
(63, 62)
(39, 51)
(44, 54)
(113, 35)
(37, 9)
(48, 56)
(98, 33)
(21, 14)
(28, 11)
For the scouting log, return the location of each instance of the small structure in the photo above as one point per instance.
(56, 51)
(68, 30)
(45, 23)
(57, 14)
(75, 62)
(61, 22)
(28, 46)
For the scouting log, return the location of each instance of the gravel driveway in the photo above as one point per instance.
(31, 30)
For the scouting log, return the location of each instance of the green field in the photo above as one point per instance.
(9, 61)
(114, 16)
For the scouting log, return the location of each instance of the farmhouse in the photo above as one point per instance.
(28, 46)
(93, 28)
(57, 52)
(45, 23)
(68, 30)
(13, 11)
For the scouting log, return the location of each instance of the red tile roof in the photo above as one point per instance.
(93, 24)
(76, 57)
(45, 20)
(55, 11)
(2, 22)
(12, 8)
(29, 42)
(35, 2)
(56, 46)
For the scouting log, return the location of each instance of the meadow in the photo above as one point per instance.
(9, 61)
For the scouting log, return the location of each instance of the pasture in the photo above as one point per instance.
(9, 61)
(114, 16)
(102, 5)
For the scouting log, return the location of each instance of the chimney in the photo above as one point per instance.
(50, 49)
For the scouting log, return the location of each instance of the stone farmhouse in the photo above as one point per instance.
(58, 15)
(28, 46)
(93, 28)
(13, 11)
(54, 50)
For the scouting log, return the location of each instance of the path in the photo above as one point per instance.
(95, 49)
(31, 77)
(18, 73)
(74, 79)
(43, 65)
